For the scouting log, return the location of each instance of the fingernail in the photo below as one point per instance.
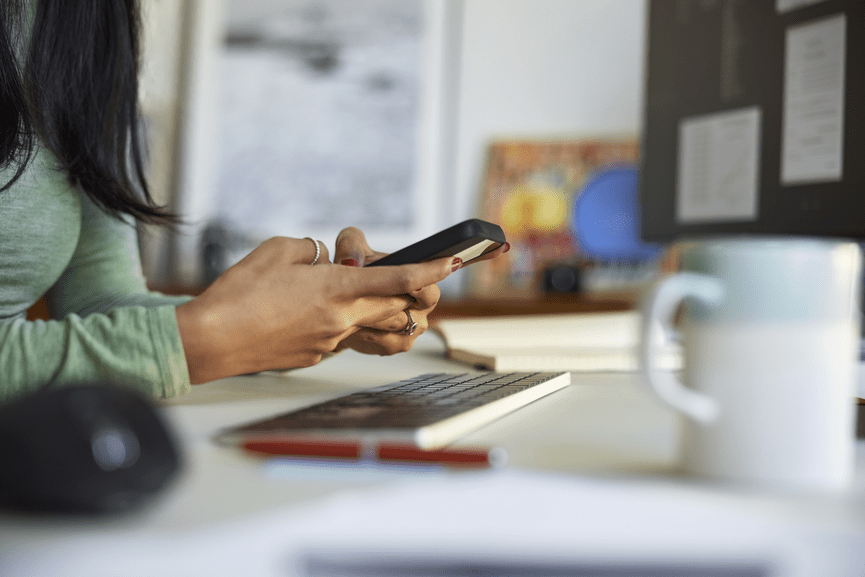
(507, 247)
(350, 262)
(456, 264)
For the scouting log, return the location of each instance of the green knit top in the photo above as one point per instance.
(105, 324)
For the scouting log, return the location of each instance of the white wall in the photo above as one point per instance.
(543, 68)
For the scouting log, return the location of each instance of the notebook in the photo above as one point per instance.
(581, 342)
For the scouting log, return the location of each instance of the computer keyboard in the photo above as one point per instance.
(429, 410)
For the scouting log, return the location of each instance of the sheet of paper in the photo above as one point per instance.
(718, 168)
(813, 129)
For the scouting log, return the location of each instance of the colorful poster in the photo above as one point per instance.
(529, 188)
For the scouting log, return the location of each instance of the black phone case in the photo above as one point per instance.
(448, 242)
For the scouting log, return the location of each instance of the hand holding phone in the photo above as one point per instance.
(467, 240)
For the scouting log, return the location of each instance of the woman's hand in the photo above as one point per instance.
(272, 310)
(397, 333)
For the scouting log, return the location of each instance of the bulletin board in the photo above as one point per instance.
(753, 119)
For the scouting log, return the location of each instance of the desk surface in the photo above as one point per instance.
(590, 483)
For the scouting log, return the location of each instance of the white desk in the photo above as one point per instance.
(589, 486)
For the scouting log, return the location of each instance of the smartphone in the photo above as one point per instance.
(468, 240)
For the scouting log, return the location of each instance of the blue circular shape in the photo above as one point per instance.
(606, 221)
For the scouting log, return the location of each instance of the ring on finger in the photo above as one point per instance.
(411, 325)
(317, 244)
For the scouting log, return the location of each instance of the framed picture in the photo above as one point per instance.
(529, 188)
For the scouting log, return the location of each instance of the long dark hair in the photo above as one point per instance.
(73, 88)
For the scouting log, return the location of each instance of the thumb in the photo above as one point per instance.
(351, 246)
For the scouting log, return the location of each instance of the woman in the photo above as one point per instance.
(72, 179)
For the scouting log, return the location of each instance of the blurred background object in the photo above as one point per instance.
(299, 117)
(90, 448)
(569, 209)
(180, 106)
(606, 218)
(320, 109)
(606, 227)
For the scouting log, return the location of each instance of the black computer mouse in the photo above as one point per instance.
(94, 448)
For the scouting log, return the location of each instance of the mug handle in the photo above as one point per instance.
(660, 307)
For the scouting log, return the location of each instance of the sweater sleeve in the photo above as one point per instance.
(135, 346)
(109, 326)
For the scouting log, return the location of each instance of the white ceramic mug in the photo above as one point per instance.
(770, 339)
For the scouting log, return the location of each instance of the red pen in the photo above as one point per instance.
(384, 452)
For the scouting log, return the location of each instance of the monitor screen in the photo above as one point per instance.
(753, 119)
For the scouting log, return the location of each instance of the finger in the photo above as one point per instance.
(399, 323)
(396, 280)
(291, 250)
(351, 247)
(376, 311)
(320, 253)
(392, 324)
(426, 298)
(375, 342)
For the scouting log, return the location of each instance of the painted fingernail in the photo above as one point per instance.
(350, 262)
(507, 247)
(456, 264)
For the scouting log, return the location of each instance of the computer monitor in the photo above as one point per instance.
(753, 119)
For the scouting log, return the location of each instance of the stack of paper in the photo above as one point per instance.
(586, 342)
